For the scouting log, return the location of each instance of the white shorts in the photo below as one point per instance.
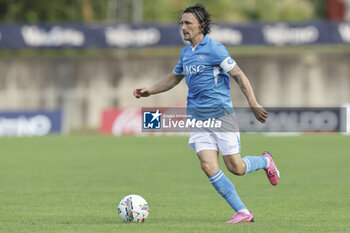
(227, 142)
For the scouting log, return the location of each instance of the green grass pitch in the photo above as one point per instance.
(74, 184)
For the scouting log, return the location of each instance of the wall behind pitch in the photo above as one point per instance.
(84, 87)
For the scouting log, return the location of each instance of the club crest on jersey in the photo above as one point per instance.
(194, 69)
(201, 57)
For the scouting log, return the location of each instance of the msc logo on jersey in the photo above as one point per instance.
(194, 69)
(152, 120)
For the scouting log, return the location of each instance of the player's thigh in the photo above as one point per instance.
(229, 144)
(209, 160)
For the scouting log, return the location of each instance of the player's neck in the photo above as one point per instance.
(195, 41)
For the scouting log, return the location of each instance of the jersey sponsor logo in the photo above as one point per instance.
(230, 61)
(194, 69)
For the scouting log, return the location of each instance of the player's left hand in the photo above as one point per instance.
(260, 113)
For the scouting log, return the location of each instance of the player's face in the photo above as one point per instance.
(191, 28)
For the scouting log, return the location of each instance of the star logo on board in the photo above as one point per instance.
(152, 119)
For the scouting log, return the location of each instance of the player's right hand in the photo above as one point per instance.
(141, 92)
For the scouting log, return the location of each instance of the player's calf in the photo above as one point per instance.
(234, 164)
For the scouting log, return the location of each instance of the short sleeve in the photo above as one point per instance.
(178, 69)
(222, 58)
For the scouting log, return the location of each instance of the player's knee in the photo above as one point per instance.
(208, 167)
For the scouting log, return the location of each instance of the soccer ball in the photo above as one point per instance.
(133, 208)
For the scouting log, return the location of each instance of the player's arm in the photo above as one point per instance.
(241, 79)
(163, 85)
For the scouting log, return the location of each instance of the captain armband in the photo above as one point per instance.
(227, 64)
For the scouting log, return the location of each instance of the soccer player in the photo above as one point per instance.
(207, 66)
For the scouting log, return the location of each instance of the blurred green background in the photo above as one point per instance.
(164, 11)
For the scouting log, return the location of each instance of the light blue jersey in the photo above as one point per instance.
(205, 68)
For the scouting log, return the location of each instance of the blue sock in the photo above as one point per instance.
(227, 190)
(253, 163)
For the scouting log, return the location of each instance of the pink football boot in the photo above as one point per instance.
(272, 172)
(242, 217)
